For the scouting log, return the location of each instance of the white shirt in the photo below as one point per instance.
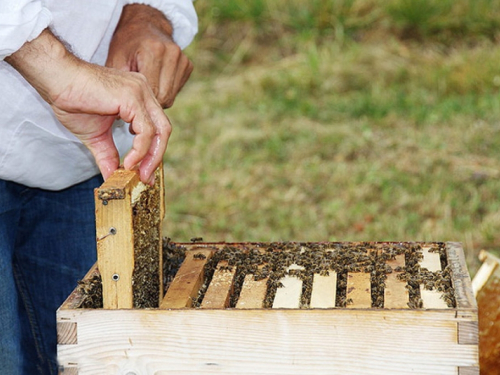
(35, 148)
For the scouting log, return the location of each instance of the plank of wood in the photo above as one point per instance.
(253, 293)
(396, 295)
(266, 342)
(324, 290)
(115, 242)
(358, 290)
(460, 279)
(431, 299)
(288, 296)
(160, 181)
(67, 333)
(220, 288)
(183, 289)
(488, 267)
(431, 261)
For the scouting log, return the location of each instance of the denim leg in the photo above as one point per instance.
(10, 328)
(55, 246)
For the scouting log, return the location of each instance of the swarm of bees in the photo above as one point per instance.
(271, 261)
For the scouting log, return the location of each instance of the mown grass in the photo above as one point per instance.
(350, 120)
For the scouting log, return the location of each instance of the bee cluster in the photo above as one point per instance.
(271, 261)
(146, 226)
(91, 291)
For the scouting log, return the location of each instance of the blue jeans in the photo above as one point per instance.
(47, 243)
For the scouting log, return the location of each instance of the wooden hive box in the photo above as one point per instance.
(278, 308)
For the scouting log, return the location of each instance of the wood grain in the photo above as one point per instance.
(324, 290)
(358, 290)
(253, 293)
(396, 294)
(115, 238)
(183, 289)
(220, 288)
(268, 341)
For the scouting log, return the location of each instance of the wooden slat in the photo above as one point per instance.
(396, 295)
(288, 296)
(460, 278)
(115, 243)
(187, 282)
(468, 333)
(253, 293)
(489, 265)
(431, 299)
(468, 370)
(267, 342)
(430, 260)
(358, 290)
(68, 371)
(324, 290)
(67, 333)
(161, 183)
(220, 288)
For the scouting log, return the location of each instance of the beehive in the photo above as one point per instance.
(310, 315)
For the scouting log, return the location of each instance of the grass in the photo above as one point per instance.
(350, 120)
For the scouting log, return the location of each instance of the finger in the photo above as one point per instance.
(183, 74)
(158, 145)
(144, 130)
(105, 153)
(172, 71)
(149, 64)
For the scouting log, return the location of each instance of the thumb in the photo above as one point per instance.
(104, 150)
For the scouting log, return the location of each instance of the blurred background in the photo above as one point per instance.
(354, 120)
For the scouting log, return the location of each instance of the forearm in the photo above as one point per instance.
(45, 63)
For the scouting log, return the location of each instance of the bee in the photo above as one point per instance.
(199, 256)
(196, 239)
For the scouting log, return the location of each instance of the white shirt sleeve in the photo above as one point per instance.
(180, 13)
(21, 21)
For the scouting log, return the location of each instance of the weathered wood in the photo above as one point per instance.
(460, 276)
(288, 296)
(396, 294)
(253, 293)
(115, 241)
(185, 286)
(324, 290)
(220, 288)
(267, 341)
(358, 290)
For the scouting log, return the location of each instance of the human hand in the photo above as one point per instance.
(143, 43)
(87, 98)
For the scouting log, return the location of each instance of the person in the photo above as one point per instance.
(73, 74)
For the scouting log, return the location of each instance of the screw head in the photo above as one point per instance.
(115, 277)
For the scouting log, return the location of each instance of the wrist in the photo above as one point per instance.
(45, 63)
(141, 15)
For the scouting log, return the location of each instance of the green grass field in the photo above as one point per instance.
(308, 120)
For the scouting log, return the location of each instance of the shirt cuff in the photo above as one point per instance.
(22, 25)
(180, 13)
